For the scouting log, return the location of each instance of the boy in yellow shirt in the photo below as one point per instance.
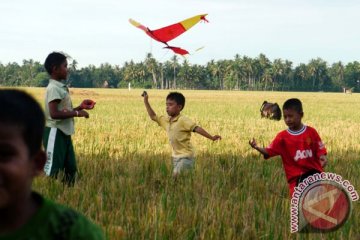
(178, 128)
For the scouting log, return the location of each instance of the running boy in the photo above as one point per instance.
(25, 214)
(178, 128)
(59, 114)
(300, 147)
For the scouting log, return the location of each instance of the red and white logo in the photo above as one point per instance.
(302, 154)
(325, 206)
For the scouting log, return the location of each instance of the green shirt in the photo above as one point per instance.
(56, 90)
(54, 221)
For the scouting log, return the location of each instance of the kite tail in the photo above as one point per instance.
(204, 19)
(178, 50)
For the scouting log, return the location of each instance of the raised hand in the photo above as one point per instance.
(144, 94)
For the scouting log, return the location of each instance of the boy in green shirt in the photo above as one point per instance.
(59, 114)
(25, 214)
(178, 128)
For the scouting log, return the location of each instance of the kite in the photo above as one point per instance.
(170, 32)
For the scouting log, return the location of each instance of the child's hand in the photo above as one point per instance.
(253, 143)
(216, 137)
(87, 104)
(83, 113)
(145, 95)
(323, 161)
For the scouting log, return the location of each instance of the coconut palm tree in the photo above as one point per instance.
(175, 65)
(152, 66)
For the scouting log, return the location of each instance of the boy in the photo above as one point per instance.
(59, 115)
(178, 128)
(300, 147)
(25, 214)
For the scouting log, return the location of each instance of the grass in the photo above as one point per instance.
(125, 178)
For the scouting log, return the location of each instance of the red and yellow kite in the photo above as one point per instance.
(168, 33)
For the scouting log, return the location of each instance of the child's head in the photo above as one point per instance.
(175, 102)
(56, 65)
(21, 156)
(293, 113)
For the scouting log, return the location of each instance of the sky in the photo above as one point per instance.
(95, 32)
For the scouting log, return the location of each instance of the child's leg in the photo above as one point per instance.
(55, 146)
(70, 164)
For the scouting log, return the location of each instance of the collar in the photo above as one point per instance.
(174, 119)
(302, 130)
(57, 83)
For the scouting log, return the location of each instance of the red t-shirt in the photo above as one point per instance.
(299, 151)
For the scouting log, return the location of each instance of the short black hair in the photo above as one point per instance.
(177, 97)
(54, 59)
(293, 103)
(22, 110)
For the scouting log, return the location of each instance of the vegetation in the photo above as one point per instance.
(240, 73)
(125, 182)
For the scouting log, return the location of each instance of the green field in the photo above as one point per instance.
(125, 180)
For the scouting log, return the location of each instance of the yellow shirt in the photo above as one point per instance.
(179, 132)
(58, 90)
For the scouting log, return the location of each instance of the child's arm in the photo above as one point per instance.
(204, 133)
(323, 161)
(56, 114)
(150, 111)
(254, 145)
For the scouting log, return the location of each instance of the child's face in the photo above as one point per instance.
(61, 72)
(17, 168)
(292, 118)
(172, 108)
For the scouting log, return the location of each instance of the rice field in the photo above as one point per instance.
(125, 179)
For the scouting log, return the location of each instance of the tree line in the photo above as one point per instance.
(239, 73)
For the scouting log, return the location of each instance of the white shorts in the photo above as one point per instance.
(183, 163)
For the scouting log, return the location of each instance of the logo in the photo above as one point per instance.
(302, 154)
(325, 206)
(321, 203)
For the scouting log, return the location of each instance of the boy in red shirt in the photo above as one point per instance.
(300, 147)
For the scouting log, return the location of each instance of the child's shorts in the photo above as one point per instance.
(60, 154)
(180, 164)
(298, 180)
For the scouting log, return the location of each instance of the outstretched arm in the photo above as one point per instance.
(204, 133)
(261, 150)
(150, 111)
